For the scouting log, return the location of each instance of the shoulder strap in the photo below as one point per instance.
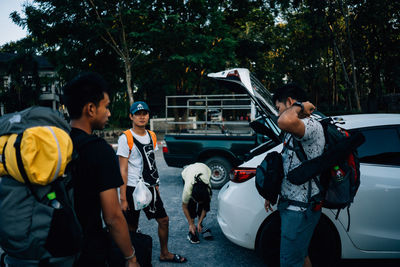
(21, 168)
(153, 137)
(297, 148)
(129, 138)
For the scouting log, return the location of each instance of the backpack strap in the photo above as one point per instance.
(20, 164)
(129, 139)
(153, 137)
(302, 156)
(299, 150)
(3, 157)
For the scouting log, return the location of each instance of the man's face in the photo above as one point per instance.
(140, 118)
(281, 106)
(102, 113)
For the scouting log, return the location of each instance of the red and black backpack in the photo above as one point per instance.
(338, 167)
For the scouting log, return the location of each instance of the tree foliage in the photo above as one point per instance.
(343, 52)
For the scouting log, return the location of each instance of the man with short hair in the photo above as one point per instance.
(196, 198)
(137, 161)
(297, 204)
(96, 177)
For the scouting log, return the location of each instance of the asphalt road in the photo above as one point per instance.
(217, 252)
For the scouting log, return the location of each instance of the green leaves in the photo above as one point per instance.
(336, 50)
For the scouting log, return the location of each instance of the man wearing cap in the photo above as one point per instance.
(137, 161)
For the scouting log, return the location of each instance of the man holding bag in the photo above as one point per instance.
(137, 162)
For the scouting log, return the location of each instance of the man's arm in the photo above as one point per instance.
(202, 216)
(192, 227)
(116, 223)
(123, 167)
(289, 121)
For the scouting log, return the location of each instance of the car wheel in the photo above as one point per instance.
(321, 251)
(220, 168)
(325, 248)
(269, 240)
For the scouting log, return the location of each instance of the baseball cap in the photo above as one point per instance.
(139, 105)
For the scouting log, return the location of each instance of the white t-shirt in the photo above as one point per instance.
(188, 175)
(135, 160)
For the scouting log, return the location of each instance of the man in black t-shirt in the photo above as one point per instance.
(96, 176)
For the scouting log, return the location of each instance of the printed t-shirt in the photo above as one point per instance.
(135, 160)
(313, 143)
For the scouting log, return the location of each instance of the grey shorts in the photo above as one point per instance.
(297, 228)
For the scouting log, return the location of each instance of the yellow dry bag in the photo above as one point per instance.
(42, 152)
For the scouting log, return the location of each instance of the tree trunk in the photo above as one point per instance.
(353, 63)
(334, 82)
(128, 76)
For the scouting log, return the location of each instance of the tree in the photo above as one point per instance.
(118, 24)
(186, 40)
(72, 34)
(24, 88)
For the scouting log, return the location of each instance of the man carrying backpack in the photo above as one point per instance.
(97, 175)
(196, 198)
(297, 205)
(137, 161)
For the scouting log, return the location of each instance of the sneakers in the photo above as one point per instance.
(207, 234)
(194, 239)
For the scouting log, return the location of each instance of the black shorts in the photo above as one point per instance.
(153, 211)
(196, 208)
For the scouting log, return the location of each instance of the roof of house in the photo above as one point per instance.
(43, 63)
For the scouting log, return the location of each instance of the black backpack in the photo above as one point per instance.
(269, 175)
(37, 222)
(338, 167)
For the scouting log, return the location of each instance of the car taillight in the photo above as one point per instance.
(240, 175)
(165, 149)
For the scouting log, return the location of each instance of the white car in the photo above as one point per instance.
(375, 214)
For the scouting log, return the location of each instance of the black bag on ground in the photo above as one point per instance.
(269, 175)
(143, 245)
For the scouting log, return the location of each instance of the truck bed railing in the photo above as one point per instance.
(228, 114)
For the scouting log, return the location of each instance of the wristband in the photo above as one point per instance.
(131, 256)
(299, 104)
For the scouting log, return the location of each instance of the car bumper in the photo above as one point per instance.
(242, 202)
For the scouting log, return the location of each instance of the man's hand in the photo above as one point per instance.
(308, 109)
(267, 206)
(132, 263)
(124, 204)
(199, 227)
(192, 228)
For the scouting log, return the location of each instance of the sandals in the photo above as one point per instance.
(176, 259)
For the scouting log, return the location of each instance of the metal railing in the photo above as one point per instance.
(226, 112)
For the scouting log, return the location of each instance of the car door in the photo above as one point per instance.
(375, 213)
